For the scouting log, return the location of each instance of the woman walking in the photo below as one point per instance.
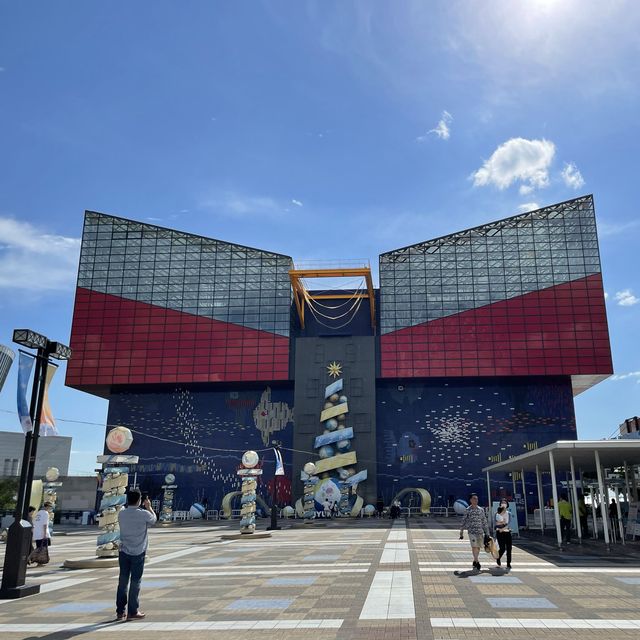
(503, 533)
(41, 535)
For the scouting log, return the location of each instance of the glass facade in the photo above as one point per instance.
(186, 273)
(487, 264)
(521, 296)
(156, 305)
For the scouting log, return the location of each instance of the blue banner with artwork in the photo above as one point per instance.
(25, 365)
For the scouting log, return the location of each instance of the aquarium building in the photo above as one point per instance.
(469, 351)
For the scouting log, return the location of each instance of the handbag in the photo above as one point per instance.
(40, 555)
(491, 547)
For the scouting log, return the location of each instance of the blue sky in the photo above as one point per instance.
(323, 130)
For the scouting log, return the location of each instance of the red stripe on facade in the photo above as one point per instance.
(561, 330)
(120, 341)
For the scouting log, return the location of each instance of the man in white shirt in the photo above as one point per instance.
(134, 524)
(41, 535)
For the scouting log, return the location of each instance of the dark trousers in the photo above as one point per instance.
(505, 543)
(584, 525)
(565, 529)
(131, 568)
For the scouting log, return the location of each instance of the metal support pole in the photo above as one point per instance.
(43, 354)
(21, 531)
(554, 488)
(603, 499)
(626, 483)
(513, 488)
(574, 493)
(540, 498)
(488, 491)
(594, 513)
(620, 523)
(524, 497)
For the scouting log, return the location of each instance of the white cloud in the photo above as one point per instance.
(609, 229)
(606, 295)
(528, 206)
(296, 202)
(625, 376)
(626, 298)
(241, 205)
(517, 160)
(572, 176)
(525, 189)
(441, 129)
(31, 260)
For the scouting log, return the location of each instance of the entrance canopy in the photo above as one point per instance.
(612, 453)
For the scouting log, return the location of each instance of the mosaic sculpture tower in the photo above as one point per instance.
(334, 480)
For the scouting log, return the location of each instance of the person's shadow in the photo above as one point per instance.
(492, 571)
(65, 634)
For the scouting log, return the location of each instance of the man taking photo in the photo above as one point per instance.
(134, 521)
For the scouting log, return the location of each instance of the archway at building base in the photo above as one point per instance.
(227, 500)
(425, 498)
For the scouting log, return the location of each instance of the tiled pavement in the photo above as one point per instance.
(354, 580)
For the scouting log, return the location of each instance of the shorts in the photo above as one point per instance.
(476, 539)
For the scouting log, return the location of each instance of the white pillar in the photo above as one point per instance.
(620, 524)
(594, 513)
(524, 497)
(540, 498)
(554, 487)
(574, 492)
(488, 491)
(603, 499)
(626, 483)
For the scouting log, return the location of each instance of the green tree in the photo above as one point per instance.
(8, 491)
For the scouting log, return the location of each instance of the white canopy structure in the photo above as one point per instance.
(587, 455)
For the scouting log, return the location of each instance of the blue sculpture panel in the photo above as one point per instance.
(438, 434)
(200, 436)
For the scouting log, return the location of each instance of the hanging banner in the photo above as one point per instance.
(47, 423)
(279, 464)
(25, 365)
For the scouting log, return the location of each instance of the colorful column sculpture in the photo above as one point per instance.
(310, 482)
(50, 493)
(249, 473)
(168, 488)
(115, 478)
(338, 478)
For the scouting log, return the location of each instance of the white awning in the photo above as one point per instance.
(613, 453)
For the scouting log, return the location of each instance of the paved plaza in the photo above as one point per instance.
(369, 579)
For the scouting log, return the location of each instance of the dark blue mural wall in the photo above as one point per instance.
(200, 435)
(438, 434)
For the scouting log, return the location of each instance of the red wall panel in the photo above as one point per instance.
(118, 341)
(559, 330)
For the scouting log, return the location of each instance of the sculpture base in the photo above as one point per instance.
(91, 563)
(256, 535)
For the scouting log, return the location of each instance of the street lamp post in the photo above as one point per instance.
(20, 532)
(274, 495)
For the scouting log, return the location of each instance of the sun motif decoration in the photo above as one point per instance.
(334, 369)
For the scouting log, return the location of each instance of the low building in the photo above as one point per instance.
(53, 451)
